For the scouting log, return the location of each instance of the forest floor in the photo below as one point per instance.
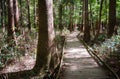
(24, 58)
(78, 64)
(26, 63)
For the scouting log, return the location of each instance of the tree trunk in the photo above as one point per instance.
(60, 17)
(91, 20)
(46, 36)
(28, 8)
(35, 13)
(11, 26)
(3, 15)
(99, 19)
(1, 12)
(21, 17)
(16, 13)
(71, 17)
(112, 17)
(86, 22)
(82, 14)
(106, 15)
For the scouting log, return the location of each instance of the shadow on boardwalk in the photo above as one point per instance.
(78, 64)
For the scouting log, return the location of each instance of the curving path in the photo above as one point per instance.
(78, 64)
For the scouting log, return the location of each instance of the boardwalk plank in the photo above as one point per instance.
(77, 62)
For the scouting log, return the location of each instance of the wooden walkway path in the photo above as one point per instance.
(78, 64)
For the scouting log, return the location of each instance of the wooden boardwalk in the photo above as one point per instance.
(78, 64)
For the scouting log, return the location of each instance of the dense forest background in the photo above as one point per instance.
(35, 29)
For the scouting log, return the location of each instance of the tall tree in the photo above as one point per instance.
(91, 19)
(2, 3)
(13, 16)
(82, 15)
(71, 26)
(1, 12)
(10, 28)
(5, 13)
(86, 22)
(34, 13)
(28, 8)
(16, 13)
(46, 35)
(106, 11)
(99, 19)
(21, 14)
(112, 17)
(60, 17)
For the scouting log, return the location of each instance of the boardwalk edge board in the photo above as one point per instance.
(91, 52)
(61, 59)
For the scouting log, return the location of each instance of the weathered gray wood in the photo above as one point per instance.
(78, 64)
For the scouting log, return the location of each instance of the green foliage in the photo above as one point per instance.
(69, 1)
(24, 12)
(6, 52)
(118, 9)
(76, 13)
(109, 47)
(101, 37)
(26, 45)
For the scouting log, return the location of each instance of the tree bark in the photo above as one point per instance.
(46, 36)
(16, 13)
(35, 13)
(11, 25)
(71, 17)
(91, 20)
(28, 8)
(106, 15)
(86, 22)
(1, 11)
(21, 17)
(112, 17)
(3, 15)
(82, 14)
(60, 17)
(99, 19)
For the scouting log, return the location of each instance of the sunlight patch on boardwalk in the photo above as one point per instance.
(77, 62)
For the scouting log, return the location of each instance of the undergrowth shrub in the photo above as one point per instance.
(26, 45)
(109, 48)
(101, 37)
